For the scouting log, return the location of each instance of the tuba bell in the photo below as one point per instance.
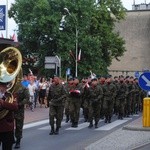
(10, 73)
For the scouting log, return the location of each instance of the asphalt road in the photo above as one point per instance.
(36, 136)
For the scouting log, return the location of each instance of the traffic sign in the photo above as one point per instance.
(144, 81)
(51, 59)
(50, 66)
(68, 71)
(137, 74)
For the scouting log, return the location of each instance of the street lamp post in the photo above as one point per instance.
(76, 36)
(76, 71)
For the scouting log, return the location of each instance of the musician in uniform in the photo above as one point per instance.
(10, 76)
(6, 121)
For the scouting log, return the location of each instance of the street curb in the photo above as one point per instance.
(136, 128)
(140, 146)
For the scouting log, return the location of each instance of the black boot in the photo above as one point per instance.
(106, 119)
(67, 118)
(17, 145)
(91, 124)
(75, 124)
(109, 119)
(57, 130)
(96, 124)
(52, 131)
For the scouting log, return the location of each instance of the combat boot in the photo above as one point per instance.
(96, 124)
(67, 118)
(52, 131)
(106, 119)
(109, 119)
(75, 125)
(91, 124)
(57, 130)
(17, 145)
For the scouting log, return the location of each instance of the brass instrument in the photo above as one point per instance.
(10, 73)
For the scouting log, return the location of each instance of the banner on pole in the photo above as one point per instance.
(2, 17)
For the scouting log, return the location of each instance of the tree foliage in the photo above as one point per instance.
(39, 32)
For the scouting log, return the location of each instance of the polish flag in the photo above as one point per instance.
(14, 37)
(79, 56)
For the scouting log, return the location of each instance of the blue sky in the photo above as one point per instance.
(12, 26)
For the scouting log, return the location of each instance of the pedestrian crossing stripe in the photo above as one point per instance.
(111, 125)
(34, 124)
(81, 126)
(48, 127)
(135, 115)
(62, 124)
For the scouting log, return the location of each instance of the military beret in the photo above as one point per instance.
(94, 79)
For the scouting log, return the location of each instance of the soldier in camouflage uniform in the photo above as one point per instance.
(75, 102)
(101, 84)
(109, 92)
(22, 98)
(56, 98)
(85, 85)
(116, 83)
(68, 87)
(121, 94)
(129, 98)
(95, 94)
(137, 96)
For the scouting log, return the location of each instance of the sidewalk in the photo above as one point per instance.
(129, 137)
(136, 126)
(37, 115)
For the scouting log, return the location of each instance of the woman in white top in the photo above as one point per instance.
(42, 91)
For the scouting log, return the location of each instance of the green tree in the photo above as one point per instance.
(39, 32)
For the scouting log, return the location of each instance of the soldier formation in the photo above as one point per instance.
(98, 97)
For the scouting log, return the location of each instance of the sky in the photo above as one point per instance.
(12, 27)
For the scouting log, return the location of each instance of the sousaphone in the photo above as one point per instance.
(10, 72)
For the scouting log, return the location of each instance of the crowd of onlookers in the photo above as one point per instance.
(38, 89)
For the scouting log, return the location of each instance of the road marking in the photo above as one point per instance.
(135, 115)
(80, 126)
(48, 127)
(34, 124)
(127, 118)
(63, 123)
(111, 125)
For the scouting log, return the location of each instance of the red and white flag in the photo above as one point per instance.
(13, 37)
(79, 55)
